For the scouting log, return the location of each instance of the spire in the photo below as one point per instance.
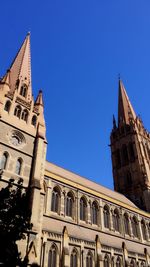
(39, 100)
(125, 109)
(20, 69)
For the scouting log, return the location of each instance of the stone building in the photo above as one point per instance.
(76, 222)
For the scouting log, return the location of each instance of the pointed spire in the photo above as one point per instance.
(114, 123)
(20, 69)
(125, 109)
(39, 100)
(6, 78)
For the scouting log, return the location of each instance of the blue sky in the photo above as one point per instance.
(78, 48)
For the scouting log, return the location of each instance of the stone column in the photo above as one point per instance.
(49, 197)
(101, 216)
(62, 208)
(89, 221)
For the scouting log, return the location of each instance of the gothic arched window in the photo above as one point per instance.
(94, 213)
(116, 220)
(126, 224)
(24, 115)
(89, 260)
(69, 204)
(55, 204)
(128, 178)
(74, 259)
(143, 226)
(106, 261)
(131, 151)
(4, 159)
(17, 111)
(23, 90)
(52, 259)
(7, 106)
(125, 158)
(34, 119)
(18, 166)
(106, 215)
(118, 262)
(83, 206)
(117, 159)
(135, 227)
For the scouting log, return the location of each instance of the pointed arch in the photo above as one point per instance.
(74, 258)
(118, 262)
(116, 219)
(124, 153)
(7, 106)
(106, 260)
(143, 226)
(17, 111)
(126, 224)
(83, 208)
(106, 215)
(94, 211)
(53, 256)
(18, 168)
(69, 204)
(23, 90)
(4, 161)
(56, 197)
(135, 227)
(131, 151)
(24, 115)
(89, 259)
(34, 120)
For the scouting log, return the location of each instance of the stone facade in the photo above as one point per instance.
(76, 222)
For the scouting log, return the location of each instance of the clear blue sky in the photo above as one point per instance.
(78, 48)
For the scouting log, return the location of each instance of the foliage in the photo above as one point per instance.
(14, 222)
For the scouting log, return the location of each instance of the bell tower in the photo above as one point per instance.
(130, 152)
(23, 135)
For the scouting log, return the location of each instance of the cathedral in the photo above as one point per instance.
(76, 222)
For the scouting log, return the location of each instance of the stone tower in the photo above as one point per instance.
(130, 151)
(22, 133)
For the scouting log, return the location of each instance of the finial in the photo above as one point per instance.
(114, 123)
(119, 76)
(28, 33)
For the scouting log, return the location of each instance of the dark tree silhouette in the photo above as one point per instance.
(14, 222)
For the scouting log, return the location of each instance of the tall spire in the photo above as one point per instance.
(20, 69)
(125, 109)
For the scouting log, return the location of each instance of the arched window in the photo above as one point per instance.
(118, 262)
(128, 178)
(74, 259)
(132, 263)
(24, 115)
(18, 166)
(4, 159)
(34, 119)
(117, 159)
(52, 259)
(116, 220)
(89, 260)
(125, 158)
(83, 207)
(23, 90)
(143, 226)
(55, 204)
(69, 205)
(126, 224)
(135, 227)
(131, 151)
(94, 213)
(7, 106)
(106, 217)
(17, 111)
(106, 261)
